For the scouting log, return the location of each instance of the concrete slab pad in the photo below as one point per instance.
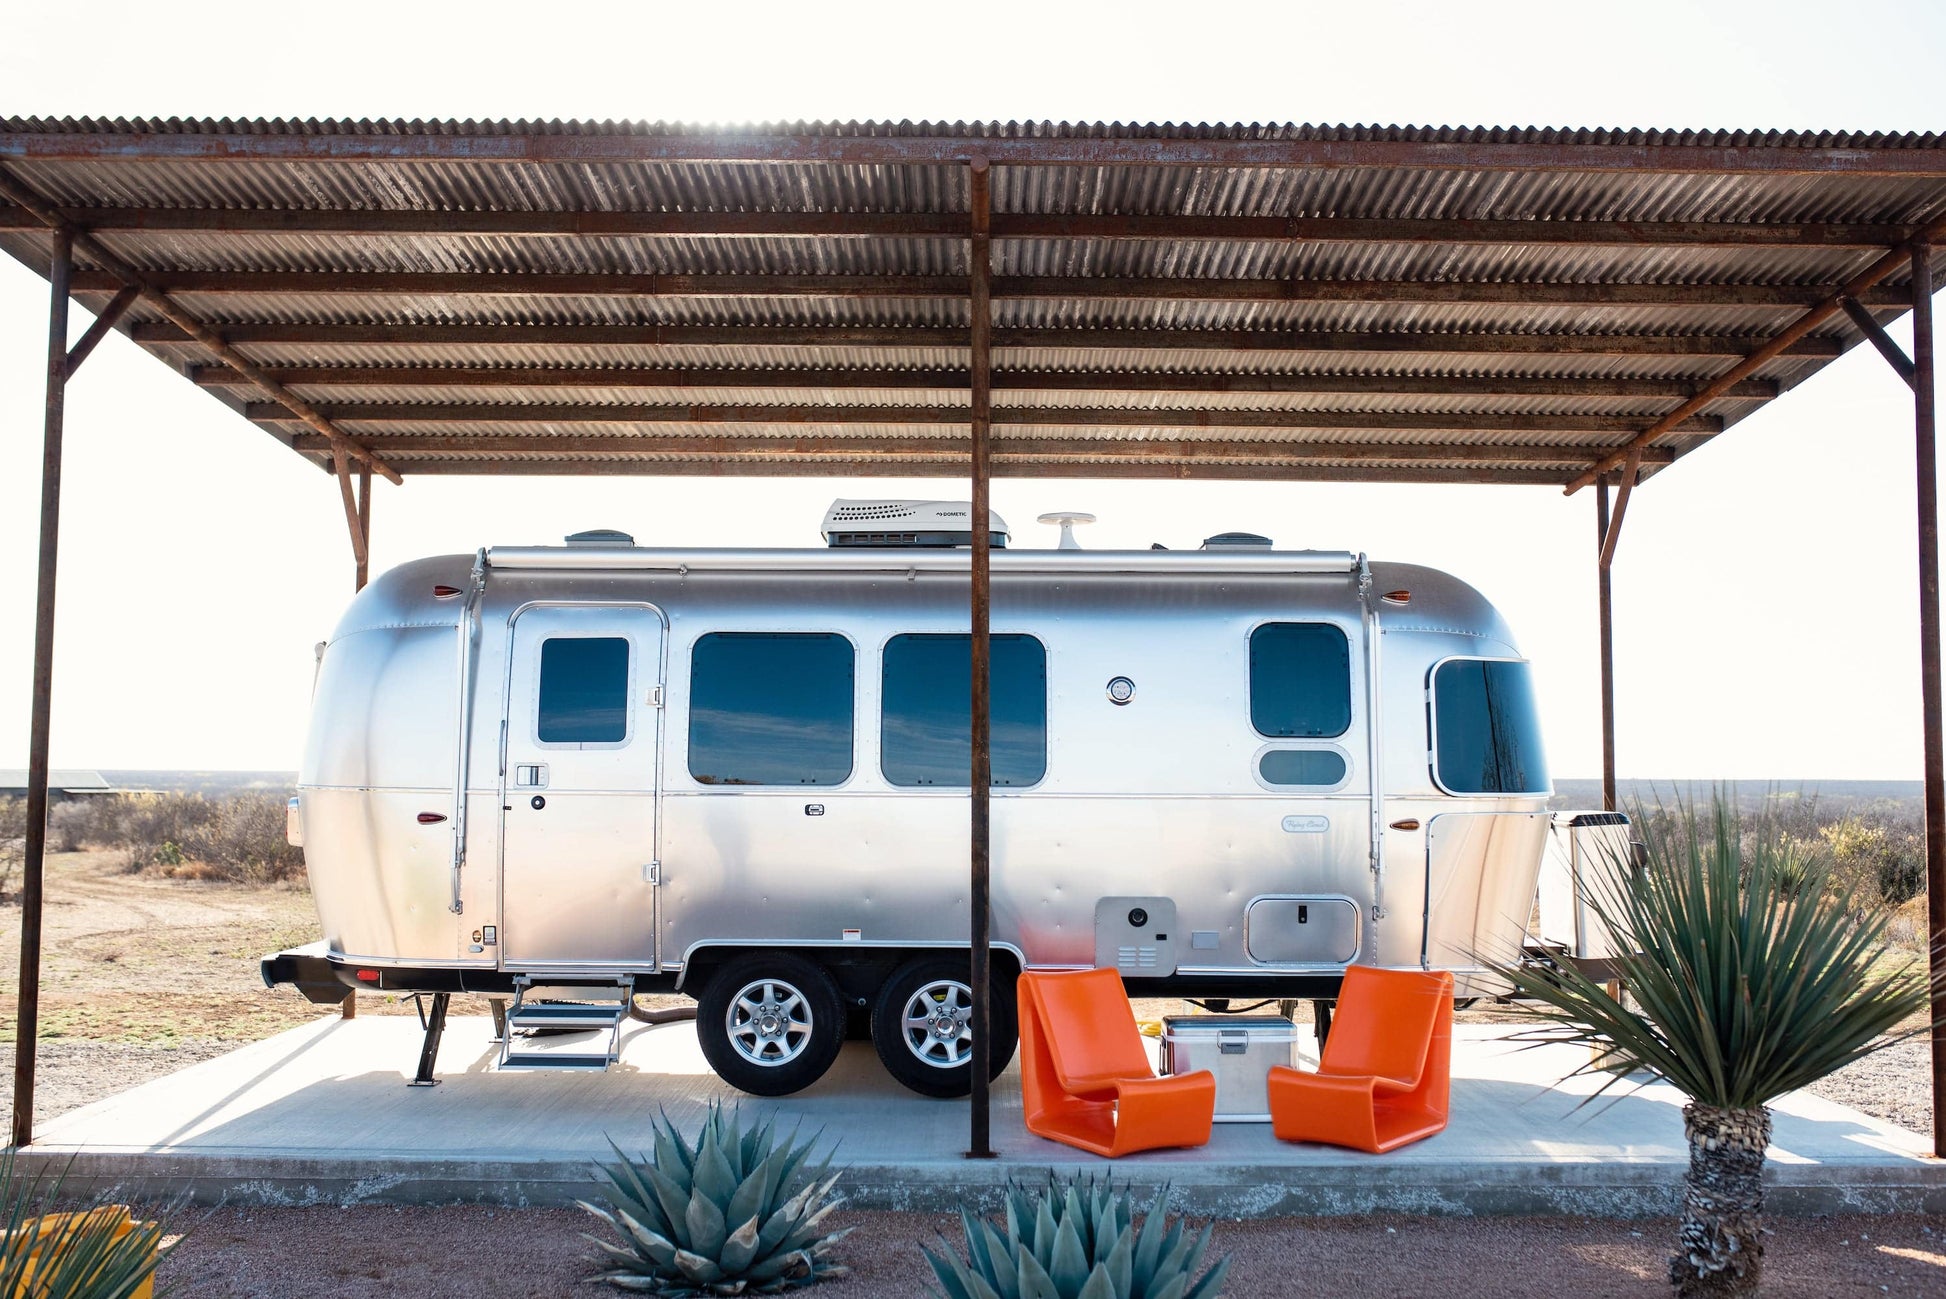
(321, 1115)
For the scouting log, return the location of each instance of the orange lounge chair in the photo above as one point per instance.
(1386, 1072)
(1085, 1077)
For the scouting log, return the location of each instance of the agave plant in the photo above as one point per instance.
(97, 1252)
(1752, 981)
(733, 1214)
(1077, 1242)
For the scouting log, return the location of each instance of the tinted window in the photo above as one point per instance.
(1302, 767)
(584, 690)
(1487, 728)
(770, 709)
(1300, 679)
(928, 710)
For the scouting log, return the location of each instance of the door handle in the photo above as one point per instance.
(530, 775)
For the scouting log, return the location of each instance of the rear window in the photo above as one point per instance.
(584, 690)
(770, 709)
(1486, 729)
(1300, 680)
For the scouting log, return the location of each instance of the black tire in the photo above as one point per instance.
(936, 990)
(770, 1054)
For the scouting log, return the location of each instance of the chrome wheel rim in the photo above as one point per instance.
(769, 1022)
(937, 1024)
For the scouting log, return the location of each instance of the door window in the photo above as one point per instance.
(583, 690)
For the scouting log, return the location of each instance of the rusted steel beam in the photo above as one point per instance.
(1604, 596)
(110, 316)
(364, 556)
(1004, 380)
(341, 467)
(1631, 475)
(1087, 288)
(952, 225)
(1134, 340)
(405, 447)
(1004, 466)
(953, 416)
(190, 328)
(1171, 150)
(1781, 345)
(34, 852)
(980, 709)
(1925, 422)
(1875, 334)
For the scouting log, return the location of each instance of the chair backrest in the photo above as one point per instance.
(1090, 1027)
(1384, 1023)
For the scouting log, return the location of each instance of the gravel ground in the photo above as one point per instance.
(475, 1253)
(1894, 1084)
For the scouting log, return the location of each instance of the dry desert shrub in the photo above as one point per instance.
(238, 838)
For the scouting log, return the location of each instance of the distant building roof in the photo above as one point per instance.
(72, 781)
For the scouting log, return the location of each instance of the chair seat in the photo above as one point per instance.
(1085, 1076)
(1389, 1023)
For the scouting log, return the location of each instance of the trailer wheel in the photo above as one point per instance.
(770, 1023)
(922, 1026)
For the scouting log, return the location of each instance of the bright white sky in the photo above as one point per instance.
(1764, 588)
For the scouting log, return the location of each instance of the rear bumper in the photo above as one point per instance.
(310, 970)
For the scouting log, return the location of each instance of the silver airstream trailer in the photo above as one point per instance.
(573, 774)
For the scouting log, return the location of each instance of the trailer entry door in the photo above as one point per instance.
(584, 738)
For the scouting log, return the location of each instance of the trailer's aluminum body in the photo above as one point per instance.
(613, 858)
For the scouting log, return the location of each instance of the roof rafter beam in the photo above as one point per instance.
(952, 226)
(1780, 345)
(553, 413)
(464, 376)
(1512, 293)
(1004, 467)
(189, 326)
(1310, 152)
(952, 450)
(1142, 340)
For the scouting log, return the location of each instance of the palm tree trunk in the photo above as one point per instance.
(1721, 1250)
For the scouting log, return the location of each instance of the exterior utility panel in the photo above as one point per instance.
(612, 762)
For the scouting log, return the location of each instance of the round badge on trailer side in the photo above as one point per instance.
(1121, 690)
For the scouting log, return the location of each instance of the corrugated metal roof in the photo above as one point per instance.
(1171, 299)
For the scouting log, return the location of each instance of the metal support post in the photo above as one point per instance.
(979, 1144)
(1925, 427)
(28, 1016)
(1604, 592)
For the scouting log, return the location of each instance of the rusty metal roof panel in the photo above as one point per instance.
(1532, 181)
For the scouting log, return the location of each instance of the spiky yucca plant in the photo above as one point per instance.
(733, 1214)
(1753, 981)
(1078, 1242)
(98, 1252)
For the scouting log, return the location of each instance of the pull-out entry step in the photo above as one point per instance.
(543, 1012)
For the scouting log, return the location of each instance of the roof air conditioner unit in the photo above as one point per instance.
(907, 523)
(1236, 541)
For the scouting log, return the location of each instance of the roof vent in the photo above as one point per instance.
(1236, 541)
(601, 537)
(907, 523)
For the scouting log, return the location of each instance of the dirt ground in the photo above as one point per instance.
(144, 976)
(487, 1254)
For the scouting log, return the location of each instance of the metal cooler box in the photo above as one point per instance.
(1239, 1050)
